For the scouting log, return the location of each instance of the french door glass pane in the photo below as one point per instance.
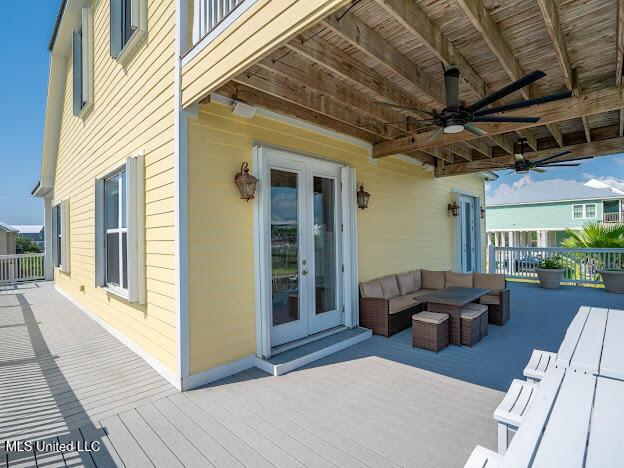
(284, 246)
(468, 227)
(112, 258)
(111, 202)
(324, 245)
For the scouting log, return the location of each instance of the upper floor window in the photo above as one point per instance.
(577, 211)
(584, 211)
(60, 235)
(590, 211)
(128, 24)
(82, 64)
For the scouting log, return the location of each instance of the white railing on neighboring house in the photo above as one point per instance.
(579, 265)
(208, 14)
(611, 217)
(22, 267)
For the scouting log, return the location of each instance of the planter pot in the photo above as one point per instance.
(613, 281)
(549, 278)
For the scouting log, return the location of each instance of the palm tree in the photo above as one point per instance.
(595, 235)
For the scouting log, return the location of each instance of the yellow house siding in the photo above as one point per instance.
(266, 24)
(132, 111)
(407, 225)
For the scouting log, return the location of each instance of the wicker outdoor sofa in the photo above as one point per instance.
(387, 304)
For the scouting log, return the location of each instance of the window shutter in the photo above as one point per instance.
(65, 236)
(87, 71)
(77, 71)
(55, 230)
(116, 9)
(100, 266)
(135, 209)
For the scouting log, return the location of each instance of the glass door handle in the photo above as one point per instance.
(304, 272)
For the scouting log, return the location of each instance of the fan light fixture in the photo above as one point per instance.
(453, 129)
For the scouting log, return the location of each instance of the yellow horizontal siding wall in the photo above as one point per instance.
(266, 25)
(133, 110)
(407, 225)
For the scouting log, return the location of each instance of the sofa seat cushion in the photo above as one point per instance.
(478, 307)
(421, 292)
(494, 282)
(406, 283)
(490, 299)
(433, 279)
(389, 287)
(469, 314)
(371, 289)
(460, 280)
(430, 317)
(400, 303)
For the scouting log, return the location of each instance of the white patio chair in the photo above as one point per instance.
(538, 365)
(511, 410)
(483, 458)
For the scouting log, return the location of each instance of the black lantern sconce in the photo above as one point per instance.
(482, 213)
(246, 183)
(453, 208)
(362, 197)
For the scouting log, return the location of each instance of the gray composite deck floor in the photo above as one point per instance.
(378, 403)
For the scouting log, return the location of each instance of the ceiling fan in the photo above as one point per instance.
(522, 165)
(456, 117)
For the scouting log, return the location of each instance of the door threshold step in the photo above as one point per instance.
(313, 351)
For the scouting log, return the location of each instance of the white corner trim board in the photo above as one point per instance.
(158, 366)
(218, 373)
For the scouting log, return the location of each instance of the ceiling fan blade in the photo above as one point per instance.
(559, 165)
(511, 172)
(525, 103)
(537, 169)
(475, 130)
(552, 156)
(510, 88)
(502, 118)
(451, 87)
(436, 134)
(396, 106)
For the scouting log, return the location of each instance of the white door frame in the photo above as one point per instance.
(262, 265)
(457, 246)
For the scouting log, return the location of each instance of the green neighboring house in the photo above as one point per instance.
(537, 215)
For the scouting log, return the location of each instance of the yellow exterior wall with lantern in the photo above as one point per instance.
(407, 224)
(132, 111)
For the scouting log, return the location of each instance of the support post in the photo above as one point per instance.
(491, 259)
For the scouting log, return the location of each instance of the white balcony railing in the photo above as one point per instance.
(611, 217)
(22, 267)
(208, 14)
(579, 265)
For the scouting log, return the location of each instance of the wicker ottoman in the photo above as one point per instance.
(430, 330)
(470, 326)
(484, 315)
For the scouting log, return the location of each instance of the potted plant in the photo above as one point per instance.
(550, 272)
(613, 279)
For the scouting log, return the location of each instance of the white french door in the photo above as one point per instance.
(468, 233)
(302, 228)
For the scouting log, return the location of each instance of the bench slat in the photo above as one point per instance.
(573, 333)
(612, 364)
(606, 425)
(586, 357)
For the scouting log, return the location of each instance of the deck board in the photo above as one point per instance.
(379, 403)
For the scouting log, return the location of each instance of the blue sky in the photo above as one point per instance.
(23, 86)
(23, 92)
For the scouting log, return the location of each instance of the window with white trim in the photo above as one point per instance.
(60, 235)
(120, 230)
(82, 64)
(577, 211)
(128, 25)
(584, 211)
(590, 211)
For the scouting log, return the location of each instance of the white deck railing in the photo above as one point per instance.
(611, 217)
(208, 14)
(22, 267)
(580, 265)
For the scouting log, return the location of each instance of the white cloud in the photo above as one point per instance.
(504, 189)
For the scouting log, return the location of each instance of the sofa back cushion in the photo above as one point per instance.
(371, 289)
(389, 287)
(406, 283)
(495, 282)
(433, 279)
(417, 280)
(461, 280)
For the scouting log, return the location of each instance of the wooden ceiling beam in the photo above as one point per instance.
(416, 21)
(596, 148)
(595, 102)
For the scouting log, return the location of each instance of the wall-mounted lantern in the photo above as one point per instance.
(482, 213)
(453, 208)
(246, 183)
(362, 197)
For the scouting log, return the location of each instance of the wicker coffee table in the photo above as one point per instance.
(450, 301)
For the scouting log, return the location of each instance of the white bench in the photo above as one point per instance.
(538, 365)
(483, 458)
(511, 410)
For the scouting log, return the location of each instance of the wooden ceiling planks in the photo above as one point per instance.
(393, 50)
